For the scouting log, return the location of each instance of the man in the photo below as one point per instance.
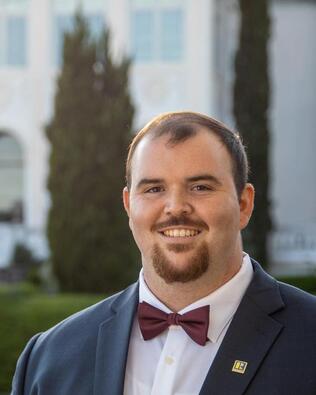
(210, 320)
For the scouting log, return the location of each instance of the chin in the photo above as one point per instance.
(173, 268)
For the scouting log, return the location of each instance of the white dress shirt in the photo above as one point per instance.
(172, 363)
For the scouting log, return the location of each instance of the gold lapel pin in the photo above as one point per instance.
(239, 366)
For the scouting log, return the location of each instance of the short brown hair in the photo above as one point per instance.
(183, 125)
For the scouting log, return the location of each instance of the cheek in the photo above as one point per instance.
(140, 227)
(136, 231)
(140, 221)
(224, 216)
(144, 213)
(138, 217)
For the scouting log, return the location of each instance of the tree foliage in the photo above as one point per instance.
(91, 246)
(251, 99)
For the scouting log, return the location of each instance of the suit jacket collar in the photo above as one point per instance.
(113, 342)
(248, 339)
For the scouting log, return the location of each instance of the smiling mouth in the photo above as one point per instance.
(180, 232)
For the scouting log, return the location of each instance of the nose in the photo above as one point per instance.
(177, 203)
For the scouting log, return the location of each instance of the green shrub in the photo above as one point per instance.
(23, 257)
(24, 312)
(91, 246)
(307, 283)
(17, 290)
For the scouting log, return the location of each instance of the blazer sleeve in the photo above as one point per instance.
(21, 367)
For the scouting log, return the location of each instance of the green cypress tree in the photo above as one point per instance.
(251, 100)
(91, 246)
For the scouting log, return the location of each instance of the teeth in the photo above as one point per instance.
(180, 233)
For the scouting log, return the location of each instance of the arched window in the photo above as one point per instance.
(11, 179)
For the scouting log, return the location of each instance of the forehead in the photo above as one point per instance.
(158, 157)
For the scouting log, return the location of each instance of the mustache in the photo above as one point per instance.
(177, 221)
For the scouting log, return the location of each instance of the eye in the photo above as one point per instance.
(154, 190)
(201, 187)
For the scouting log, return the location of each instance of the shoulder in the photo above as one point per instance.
(73, 339)
(285, 302)
(68, 350)
(85, 323)
(298, 301)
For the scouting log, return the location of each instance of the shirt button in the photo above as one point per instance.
(169, 360)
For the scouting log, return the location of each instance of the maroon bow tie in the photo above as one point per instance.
(153, 321)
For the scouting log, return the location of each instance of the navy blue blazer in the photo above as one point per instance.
(273, 331)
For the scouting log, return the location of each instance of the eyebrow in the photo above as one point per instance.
(199, 177)
(204, 177)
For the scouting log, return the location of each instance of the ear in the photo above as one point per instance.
(126, 199)
(246, 205)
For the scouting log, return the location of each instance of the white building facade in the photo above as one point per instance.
(182, 54)
(292, 53)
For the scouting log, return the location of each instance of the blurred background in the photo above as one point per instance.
(67, 113)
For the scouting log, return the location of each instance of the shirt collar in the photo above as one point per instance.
(223, 302)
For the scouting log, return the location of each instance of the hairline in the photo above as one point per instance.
(196, 123)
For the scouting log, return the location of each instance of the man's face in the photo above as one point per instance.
(183, 208)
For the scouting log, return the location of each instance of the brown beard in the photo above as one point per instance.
(195, 268)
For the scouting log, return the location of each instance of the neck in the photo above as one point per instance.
(177, 296)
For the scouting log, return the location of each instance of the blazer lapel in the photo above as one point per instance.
(251, 334)
(113, 342)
